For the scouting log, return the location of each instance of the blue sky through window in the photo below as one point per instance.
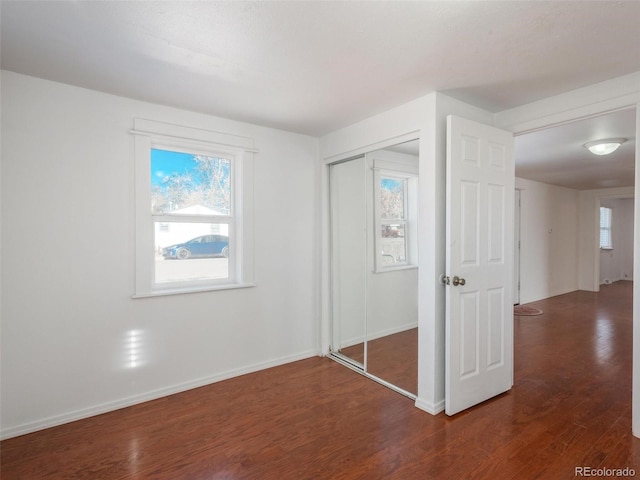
(391, 184)
(181, 180)
(165, 163)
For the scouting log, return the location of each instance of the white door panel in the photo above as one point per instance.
(479, 320)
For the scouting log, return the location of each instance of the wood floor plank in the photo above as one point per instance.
(315, 419)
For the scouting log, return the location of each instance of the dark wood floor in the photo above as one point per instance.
(393, 358)
(315, 419)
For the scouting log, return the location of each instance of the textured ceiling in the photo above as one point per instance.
(313, 67)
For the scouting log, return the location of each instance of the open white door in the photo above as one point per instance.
(479, 318)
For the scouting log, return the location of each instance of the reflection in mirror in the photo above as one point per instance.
(374, 248)
(392, 286)
(349, 261)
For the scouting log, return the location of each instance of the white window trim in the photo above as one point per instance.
(151, 134)
(393, 169)
(609, 228)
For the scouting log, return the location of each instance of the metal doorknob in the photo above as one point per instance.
(458, 281)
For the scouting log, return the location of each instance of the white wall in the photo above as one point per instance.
(559, 235)
(68, 262)
(548, 240)
(617, 264)
(589, 222)
(626, 236)
(635, 389)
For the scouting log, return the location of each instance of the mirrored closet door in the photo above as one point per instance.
(374, 258)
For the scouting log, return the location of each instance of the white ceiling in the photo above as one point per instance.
(314, 66)
(557, 155)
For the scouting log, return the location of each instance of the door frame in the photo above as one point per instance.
(516, 244)
(588, 102)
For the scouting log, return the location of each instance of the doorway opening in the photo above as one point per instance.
(571, 179)
(562, 185)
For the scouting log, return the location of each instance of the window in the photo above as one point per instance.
(395, 195)
(193, 210)
(393, 220)
(606, 242)
(198, 188)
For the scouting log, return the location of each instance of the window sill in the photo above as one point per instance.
(395, 269)
(607, 249)
(183, 291)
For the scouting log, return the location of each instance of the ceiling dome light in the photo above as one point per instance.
(605, 146)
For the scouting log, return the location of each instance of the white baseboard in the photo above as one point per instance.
(432, 408)
(147, 396)
(524, 299)
(391, 331)
(609, 281)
